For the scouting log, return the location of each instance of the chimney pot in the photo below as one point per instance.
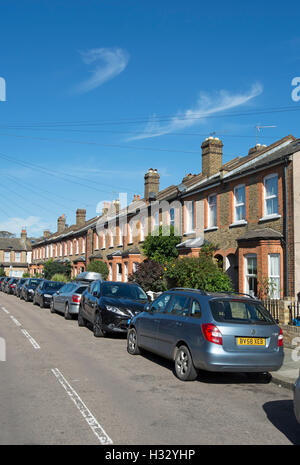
(80, 216)
(24, 234)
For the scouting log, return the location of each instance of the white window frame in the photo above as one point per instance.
(130, 232)
(189, 216)
(17, 257)
(239, 204)
(276, 292)
(119, 275)
(270, 197)
(142, 228)
(246, 275)
(103, 239)
(211, 225)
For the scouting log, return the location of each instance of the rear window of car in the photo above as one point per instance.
(80, 290)
(236, 311)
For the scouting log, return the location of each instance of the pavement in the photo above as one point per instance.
(289, 372)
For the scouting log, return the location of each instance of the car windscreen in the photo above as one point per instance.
(123, 291)
(53, 285)
(237, 311)
(34, 282)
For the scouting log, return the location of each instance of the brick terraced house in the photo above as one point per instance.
(247, 206)
(15, 254)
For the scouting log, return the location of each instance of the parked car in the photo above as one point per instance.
(10, 285)
(297, 398)
(17, 289)
(3, 283)
(67, 299)
(28, 288)
(1, 280)
(205, 331)
(109, 306)
(44, 292)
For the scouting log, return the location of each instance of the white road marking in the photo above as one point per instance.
(85, 412)
(15, 321)
(4, 309)
(31, 340)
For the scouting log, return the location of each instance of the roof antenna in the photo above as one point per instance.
(258, 128)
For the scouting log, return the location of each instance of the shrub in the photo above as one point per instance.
(197, 273)
(162, 248)
(150, 276)
(60, 277)
(98, 267)
(2, 272)
(51, 268)
(26, 275)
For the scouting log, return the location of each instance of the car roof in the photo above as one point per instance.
(212, 295)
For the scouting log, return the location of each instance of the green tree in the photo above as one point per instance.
(98, 267)
(51, 268)
(161, 248)
(60, 278)
(26, 275)
(2, 272)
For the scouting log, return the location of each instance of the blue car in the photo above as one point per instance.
(199, 330)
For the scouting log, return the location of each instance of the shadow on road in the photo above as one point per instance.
(214, 377)
(281, 414)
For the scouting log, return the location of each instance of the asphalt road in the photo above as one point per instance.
(61, 385)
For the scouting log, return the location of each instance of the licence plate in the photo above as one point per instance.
(251, 341)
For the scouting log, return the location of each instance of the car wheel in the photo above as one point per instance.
(67, 313)
(81, 320)
(132, 346)
(97, 326)
(184, 366)
(52, 309)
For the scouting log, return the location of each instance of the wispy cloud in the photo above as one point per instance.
(109, 63)
(207, 105)
(32, 224)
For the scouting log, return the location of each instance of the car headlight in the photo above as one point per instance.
(115, 310)
(31, 290)
(47, 295)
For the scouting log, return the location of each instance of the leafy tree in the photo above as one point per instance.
(2, 272)
(161, 248)
(60, 277)
(98, 267)
(51, 268)
(150, 276)
(26, 275)
(198, 273)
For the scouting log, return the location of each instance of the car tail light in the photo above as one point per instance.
(280, 339)
(76, 299)
(212, 333)
(11, 285)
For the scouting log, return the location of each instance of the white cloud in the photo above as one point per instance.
(33, 225)
(112, 62)
(207, 105)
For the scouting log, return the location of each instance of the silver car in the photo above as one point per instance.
(199, 330)
(297, 398)
(67, 299)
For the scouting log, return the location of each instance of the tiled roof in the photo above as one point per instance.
(15, 244)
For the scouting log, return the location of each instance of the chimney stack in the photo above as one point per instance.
(61, 223)
(46, 233)
(151, 183)
(211, 156)
(256, 148)
(24, 234)
(80, 216)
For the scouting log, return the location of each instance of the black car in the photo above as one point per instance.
(109, 306)
(27, 290)
(17, 289)
(10, 285)
(44, 292)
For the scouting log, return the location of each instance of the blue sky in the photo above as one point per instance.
(98, 91)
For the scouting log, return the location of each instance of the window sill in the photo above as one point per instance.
(129, 243)
(103, 248)
(269, 218)
(188, 233)
(213, 228)
(238, 223)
